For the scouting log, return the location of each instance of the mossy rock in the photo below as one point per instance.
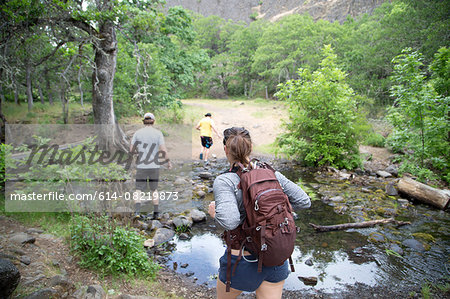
(424, 236)
(377, 237)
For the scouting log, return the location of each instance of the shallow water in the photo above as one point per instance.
(339, 258)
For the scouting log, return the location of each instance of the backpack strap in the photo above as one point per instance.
(291, 263)
(263, 245)
(228, 276)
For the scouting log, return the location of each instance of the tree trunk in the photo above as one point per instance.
(64, 103)
(2, 96)
(41, 95)
(29, 87)
(424, 193)
(49, 89)
(80, 85)
(267, 94)
(110, 136)
(16, 90)
(327, 228)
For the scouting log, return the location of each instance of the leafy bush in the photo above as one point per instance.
(419, 118)
(374, 139)
(104, 245)
(322, 110)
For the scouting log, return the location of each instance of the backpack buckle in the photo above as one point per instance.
(249, 239)
(264, 247)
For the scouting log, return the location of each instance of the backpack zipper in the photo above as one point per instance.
(260, 194)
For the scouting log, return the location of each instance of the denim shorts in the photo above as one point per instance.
(246, 277)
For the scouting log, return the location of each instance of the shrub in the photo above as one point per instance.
(419, 118)
(105, 246)
(322, 112)
(375, 139)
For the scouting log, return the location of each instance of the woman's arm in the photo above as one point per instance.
(297, 197)
(227, 209)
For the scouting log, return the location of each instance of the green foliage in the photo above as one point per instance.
(419, 118)
(104, 245)
(374, 139)
(440, 68)
(322, 110)
(182, 229)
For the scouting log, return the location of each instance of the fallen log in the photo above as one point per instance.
(424, 193)
(327, 228)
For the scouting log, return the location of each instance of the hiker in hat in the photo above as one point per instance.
(229, 212)
(206, 127)
(148, 143)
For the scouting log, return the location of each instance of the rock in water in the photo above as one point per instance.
(414, 245)
(162, 235)
(182, 221)
(390, 190)
(205, 175)
(197, 216)
(9, 278)
(309, 281)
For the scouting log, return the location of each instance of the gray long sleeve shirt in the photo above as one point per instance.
(230, 211)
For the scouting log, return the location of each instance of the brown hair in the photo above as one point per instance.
(239, 144)
(148, 121)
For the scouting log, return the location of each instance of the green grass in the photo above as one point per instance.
(43, 113)
(269, 148)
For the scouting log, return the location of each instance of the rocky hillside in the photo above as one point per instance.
(245, 10)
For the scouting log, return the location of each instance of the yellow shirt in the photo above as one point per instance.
(206, 124)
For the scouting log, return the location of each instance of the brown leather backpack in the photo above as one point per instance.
(268, 230)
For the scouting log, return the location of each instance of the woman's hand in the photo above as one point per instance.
(212, 209)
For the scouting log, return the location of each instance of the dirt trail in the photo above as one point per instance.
(263, 121)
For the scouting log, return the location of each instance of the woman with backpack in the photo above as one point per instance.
(253, 203)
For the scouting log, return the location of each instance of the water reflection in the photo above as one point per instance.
(202, 254)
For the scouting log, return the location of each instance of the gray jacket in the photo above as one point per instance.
(230, 210)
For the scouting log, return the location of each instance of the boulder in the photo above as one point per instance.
(309, 262)
(184, 236)
(163, 235)
(376, 237)
(414, 245)
(200, 194)
(60, 280)
(392, 169)
(394, 247)
(383, 174)
(182, 221)
(149, 243)
(25, 259)
(22, 238)
(9, 278)
(180, 181)
(34, 231)
(391, 190)
(197, 216)
(205, 175)
(155, 224)
(95, 292)
(309, 281)
(124, 296)
(42, 294)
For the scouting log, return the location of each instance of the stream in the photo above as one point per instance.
(400, 259)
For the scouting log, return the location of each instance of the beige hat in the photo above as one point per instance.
(149, 115)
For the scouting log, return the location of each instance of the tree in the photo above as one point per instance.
(419, 118)
(322, 110)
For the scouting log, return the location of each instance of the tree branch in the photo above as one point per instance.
(327, 228)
